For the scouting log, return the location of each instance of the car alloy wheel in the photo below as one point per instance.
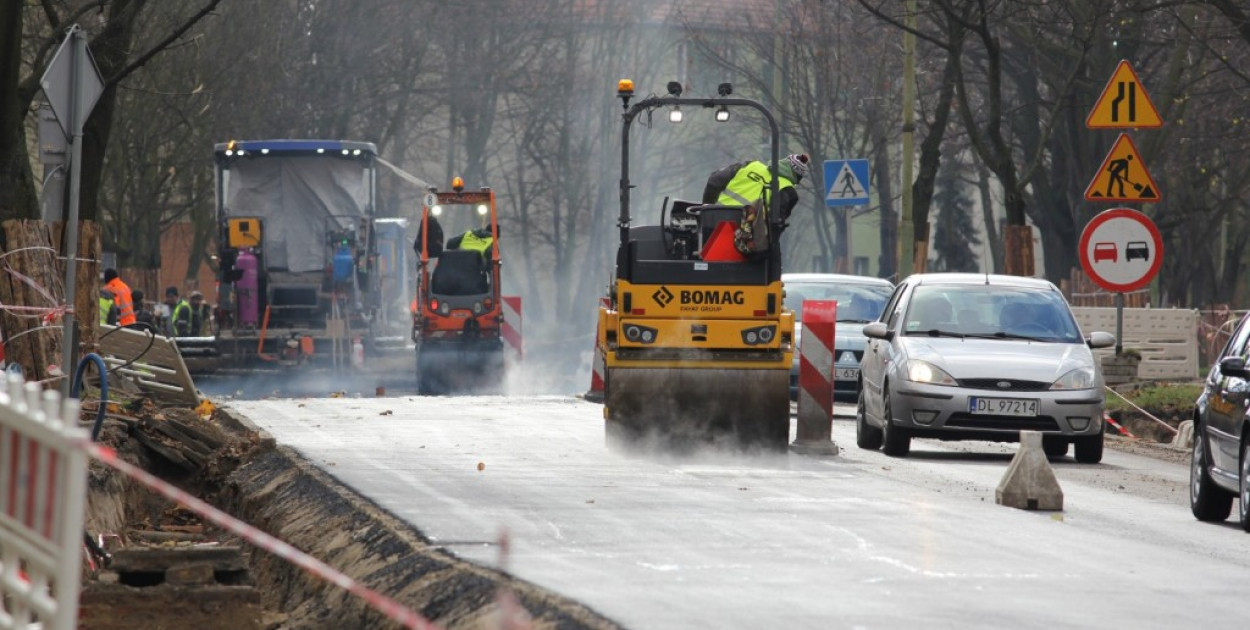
(1243, 512)
(1207, 501)
(895, 441)
(866, 435)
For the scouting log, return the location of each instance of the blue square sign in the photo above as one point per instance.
(846, 182)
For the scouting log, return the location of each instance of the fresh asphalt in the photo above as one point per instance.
(705, 540)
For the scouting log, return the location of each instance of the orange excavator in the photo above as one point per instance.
(457, 317)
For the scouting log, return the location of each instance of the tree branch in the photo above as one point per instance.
(162, 45)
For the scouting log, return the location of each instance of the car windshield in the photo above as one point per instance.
(856, 302)
(991, 311)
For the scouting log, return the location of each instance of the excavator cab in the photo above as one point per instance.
(696, 341)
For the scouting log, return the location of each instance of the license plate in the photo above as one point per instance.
(1002, 406)
(846, 374)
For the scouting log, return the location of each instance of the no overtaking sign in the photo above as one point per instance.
(1121, 250)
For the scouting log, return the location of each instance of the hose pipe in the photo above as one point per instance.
(104, 388)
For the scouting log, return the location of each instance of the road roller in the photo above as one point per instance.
(696, 340)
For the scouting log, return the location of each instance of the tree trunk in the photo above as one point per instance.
(33, 291)
(931, 159)
(86, 280)
(991, 225)
(1019, 250)
(887, 266)
(17, 193)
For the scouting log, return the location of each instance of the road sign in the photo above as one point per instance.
(1121, 250)
(846, 182)
(1124, 103)
(1123, 176)
(62, 82)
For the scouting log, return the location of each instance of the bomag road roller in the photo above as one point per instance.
(456, 316)
(696, 341)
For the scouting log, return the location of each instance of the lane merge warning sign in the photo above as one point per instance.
(1124, 103)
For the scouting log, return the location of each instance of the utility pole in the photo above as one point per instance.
(778, 45)
(907, 229)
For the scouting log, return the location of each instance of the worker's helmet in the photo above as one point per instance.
(798, 163)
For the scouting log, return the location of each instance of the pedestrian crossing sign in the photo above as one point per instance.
(846, 182)
(1123, 176)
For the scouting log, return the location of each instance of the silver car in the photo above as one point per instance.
(980, 357)
(860, 300)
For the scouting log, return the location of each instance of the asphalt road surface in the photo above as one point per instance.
(706, 540)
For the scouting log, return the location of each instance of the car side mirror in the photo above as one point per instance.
(1100, 340)
(877, 330)
(1233, 366)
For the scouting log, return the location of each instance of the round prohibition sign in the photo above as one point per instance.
(1121, 250)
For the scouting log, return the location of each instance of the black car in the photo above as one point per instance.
(1219, 468)
(1136, 249)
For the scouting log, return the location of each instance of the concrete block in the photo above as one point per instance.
(1030, 484)
(1184, 439)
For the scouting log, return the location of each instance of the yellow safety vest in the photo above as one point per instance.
(473, 242)
(750, 185)
(106, 306)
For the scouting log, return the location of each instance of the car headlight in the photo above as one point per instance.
(924, 372)
(1080, 378)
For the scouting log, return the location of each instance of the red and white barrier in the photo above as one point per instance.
(1111, 421)
(43, 498)
(512, 337)
(597, 365)
(815, 414)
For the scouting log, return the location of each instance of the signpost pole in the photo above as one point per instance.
(77, 115)
(1119, 324)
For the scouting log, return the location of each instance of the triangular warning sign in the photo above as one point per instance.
(1124, 103)
(1123, 176)
(847, 185)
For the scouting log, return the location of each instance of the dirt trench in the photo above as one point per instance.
(184, 572)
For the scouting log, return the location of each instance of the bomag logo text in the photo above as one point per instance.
(712, 297)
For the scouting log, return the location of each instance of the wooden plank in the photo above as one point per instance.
(150, 560)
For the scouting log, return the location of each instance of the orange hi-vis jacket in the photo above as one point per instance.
(125, 304)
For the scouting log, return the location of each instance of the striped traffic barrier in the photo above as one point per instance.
(511, 331)
(815, 414)
(43, 499)
(597, 364)
(1123, 431)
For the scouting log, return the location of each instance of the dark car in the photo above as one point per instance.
(1137, 249)
(1219, 468)
(860, 300)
